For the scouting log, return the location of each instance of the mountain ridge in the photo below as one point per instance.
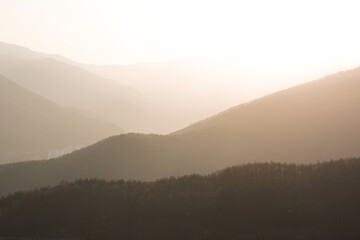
(264, 98)
(32, 124)
(309, 123)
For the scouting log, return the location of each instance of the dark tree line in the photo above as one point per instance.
(253, 201)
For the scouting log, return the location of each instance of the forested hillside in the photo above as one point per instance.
(251, 201)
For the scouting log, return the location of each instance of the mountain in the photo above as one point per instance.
(252, 201)
(32, 127)
(52, 78)
(162, 97)
(191, 88)
(168, 95)
(187, 89)
(163, 91)
(74, 87)
(177, 91)
(311, 122)
(21, 52)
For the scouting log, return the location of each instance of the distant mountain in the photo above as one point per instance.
(74, 87)
(185, 90)
(32, 127)
(191, 88)
(57, 81)
(178, 91)
(308, 123)
(169, 95)
(158, 105)
(17, 51)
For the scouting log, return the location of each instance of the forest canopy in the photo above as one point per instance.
(276, 200)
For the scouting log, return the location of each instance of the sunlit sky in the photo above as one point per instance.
(115, 31)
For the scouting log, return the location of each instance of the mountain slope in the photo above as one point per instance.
(195, 87)
(164, 91)
(181, 90)
(17, 51)
(185, 90)
(308, 123)
(315, 121)
(72, 86)
(30, 125)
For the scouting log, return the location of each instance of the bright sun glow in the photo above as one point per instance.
(271, 44)
(139, 30)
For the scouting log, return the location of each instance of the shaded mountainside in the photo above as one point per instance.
(31, 125)
(130, 156)
(252, 201)
(315, 121)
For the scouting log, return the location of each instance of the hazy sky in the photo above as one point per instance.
(115, 31)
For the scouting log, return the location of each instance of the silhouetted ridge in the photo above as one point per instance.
(252, 201)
